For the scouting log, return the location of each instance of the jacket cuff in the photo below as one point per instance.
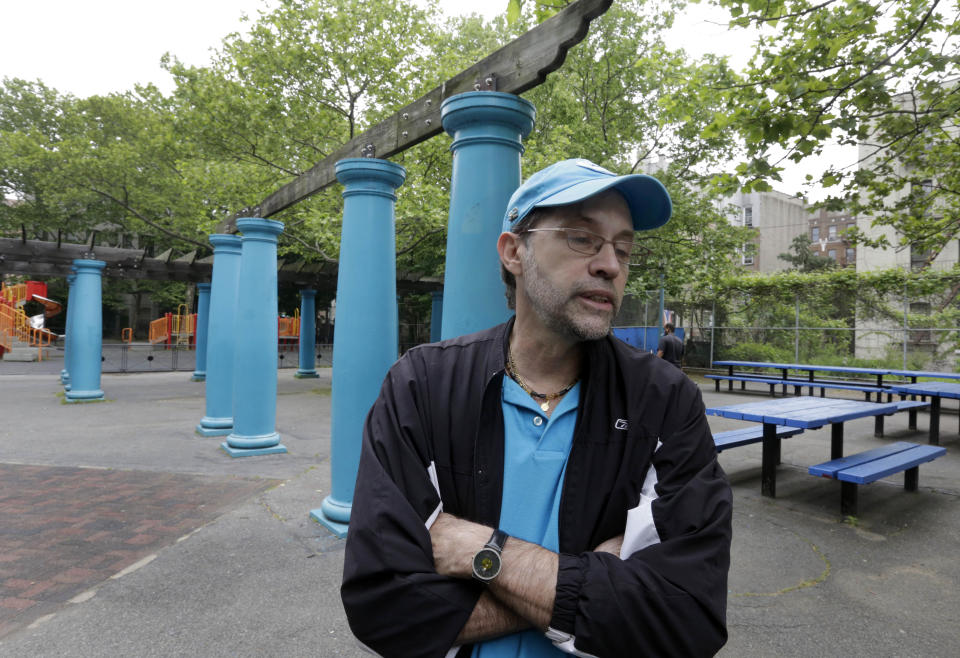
(570, 576)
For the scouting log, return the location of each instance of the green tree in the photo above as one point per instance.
(881, 75)
(804, 258)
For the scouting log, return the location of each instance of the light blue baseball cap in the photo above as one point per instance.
(571, 181)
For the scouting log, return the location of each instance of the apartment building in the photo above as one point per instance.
(827, 236)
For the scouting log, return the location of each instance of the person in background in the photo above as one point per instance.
(670, 348)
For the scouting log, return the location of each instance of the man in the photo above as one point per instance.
(670, 347)
(541, 488)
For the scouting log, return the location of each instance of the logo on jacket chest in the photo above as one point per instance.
(620, 424)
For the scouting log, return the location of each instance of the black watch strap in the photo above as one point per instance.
(498, 540)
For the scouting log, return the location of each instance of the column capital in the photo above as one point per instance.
(226, 243)
(84, 264)
(258, 228)
(487, 107)
(203, 286)
(308, 292)
(370, 176)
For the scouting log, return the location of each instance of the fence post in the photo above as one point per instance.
(713, 324)
(906, 309)
(796, 329)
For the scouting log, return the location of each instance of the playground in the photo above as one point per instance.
(125, 533)
(189, 494)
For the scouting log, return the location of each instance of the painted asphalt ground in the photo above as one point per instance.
(133, 536)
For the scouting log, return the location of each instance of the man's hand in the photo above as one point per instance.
(455, 541)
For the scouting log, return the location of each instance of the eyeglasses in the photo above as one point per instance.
(589, 243)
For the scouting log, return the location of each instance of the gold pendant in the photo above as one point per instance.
(545, 405)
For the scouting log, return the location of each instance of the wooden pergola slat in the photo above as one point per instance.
(522, 64)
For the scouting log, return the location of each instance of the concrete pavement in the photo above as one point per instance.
(225, 561)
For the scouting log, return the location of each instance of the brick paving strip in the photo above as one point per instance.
(64, 530)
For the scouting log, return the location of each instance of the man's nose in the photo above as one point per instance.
(605, 263)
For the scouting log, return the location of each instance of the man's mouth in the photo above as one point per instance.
(598, 299)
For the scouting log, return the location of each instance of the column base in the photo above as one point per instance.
(84, 396)
(252, 452)
(337, 528)
(306, 374)
(198, 376)
(215, 426)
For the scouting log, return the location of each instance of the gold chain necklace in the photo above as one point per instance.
(546, 397)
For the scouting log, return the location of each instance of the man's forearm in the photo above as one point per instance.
(489, 619)
(527, 584)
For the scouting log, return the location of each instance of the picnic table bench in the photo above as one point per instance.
(747, 435)
(811, 380)
(935, 391)
(805, 412)
(872, 465)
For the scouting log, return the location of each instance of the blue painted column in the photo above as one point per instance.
(436, 315)
(308, 335)
(218, 420)
(67, 352)
(203, 318)
(487, 128)
(255, 383)
(87, 344)
(366, 332)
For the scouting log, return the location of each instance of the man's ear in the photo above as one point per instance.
(508, 246)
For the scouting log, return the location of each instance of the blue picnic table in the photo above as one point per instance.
(806, 412)
(808, 368)
(936, 391)
(812, 381)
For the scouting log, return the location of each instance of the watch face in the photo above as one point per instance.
(486, 564)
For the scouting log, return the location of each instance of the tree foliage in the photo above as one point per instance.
(804, 258)
(309, 75)
(878, 74)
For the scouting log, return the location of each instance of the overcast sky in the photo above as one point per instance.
(87, 47)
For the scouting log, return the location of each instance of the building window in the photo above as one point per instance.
(749, 251)
(832, 231)
(918, 258)
(815, 233)
(851, 254)
(832, 254)
(748, 217)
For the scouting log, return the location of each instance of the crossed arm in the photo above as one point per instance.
(521, 597)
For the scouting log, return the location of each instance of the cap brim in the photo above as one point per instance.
(647, 198)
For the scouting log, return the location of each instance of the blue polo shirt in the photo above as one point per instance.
(535, 459)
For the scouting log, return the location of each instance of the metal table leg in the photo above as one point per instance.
(771, 454)
(836, 441)
(934, 420)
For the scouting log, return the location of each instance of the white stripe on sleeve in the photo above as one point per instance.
(641, 531)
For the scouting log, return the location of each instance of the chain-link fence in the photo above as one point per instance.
(906, 332)
(145, 357)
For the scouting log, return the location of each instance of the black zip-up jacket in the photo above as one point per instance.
(643, 463)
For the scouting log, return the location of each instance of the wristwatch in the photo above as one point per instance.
(487, 561)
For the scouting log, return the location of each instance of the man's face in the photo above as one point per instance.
(576, 295)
